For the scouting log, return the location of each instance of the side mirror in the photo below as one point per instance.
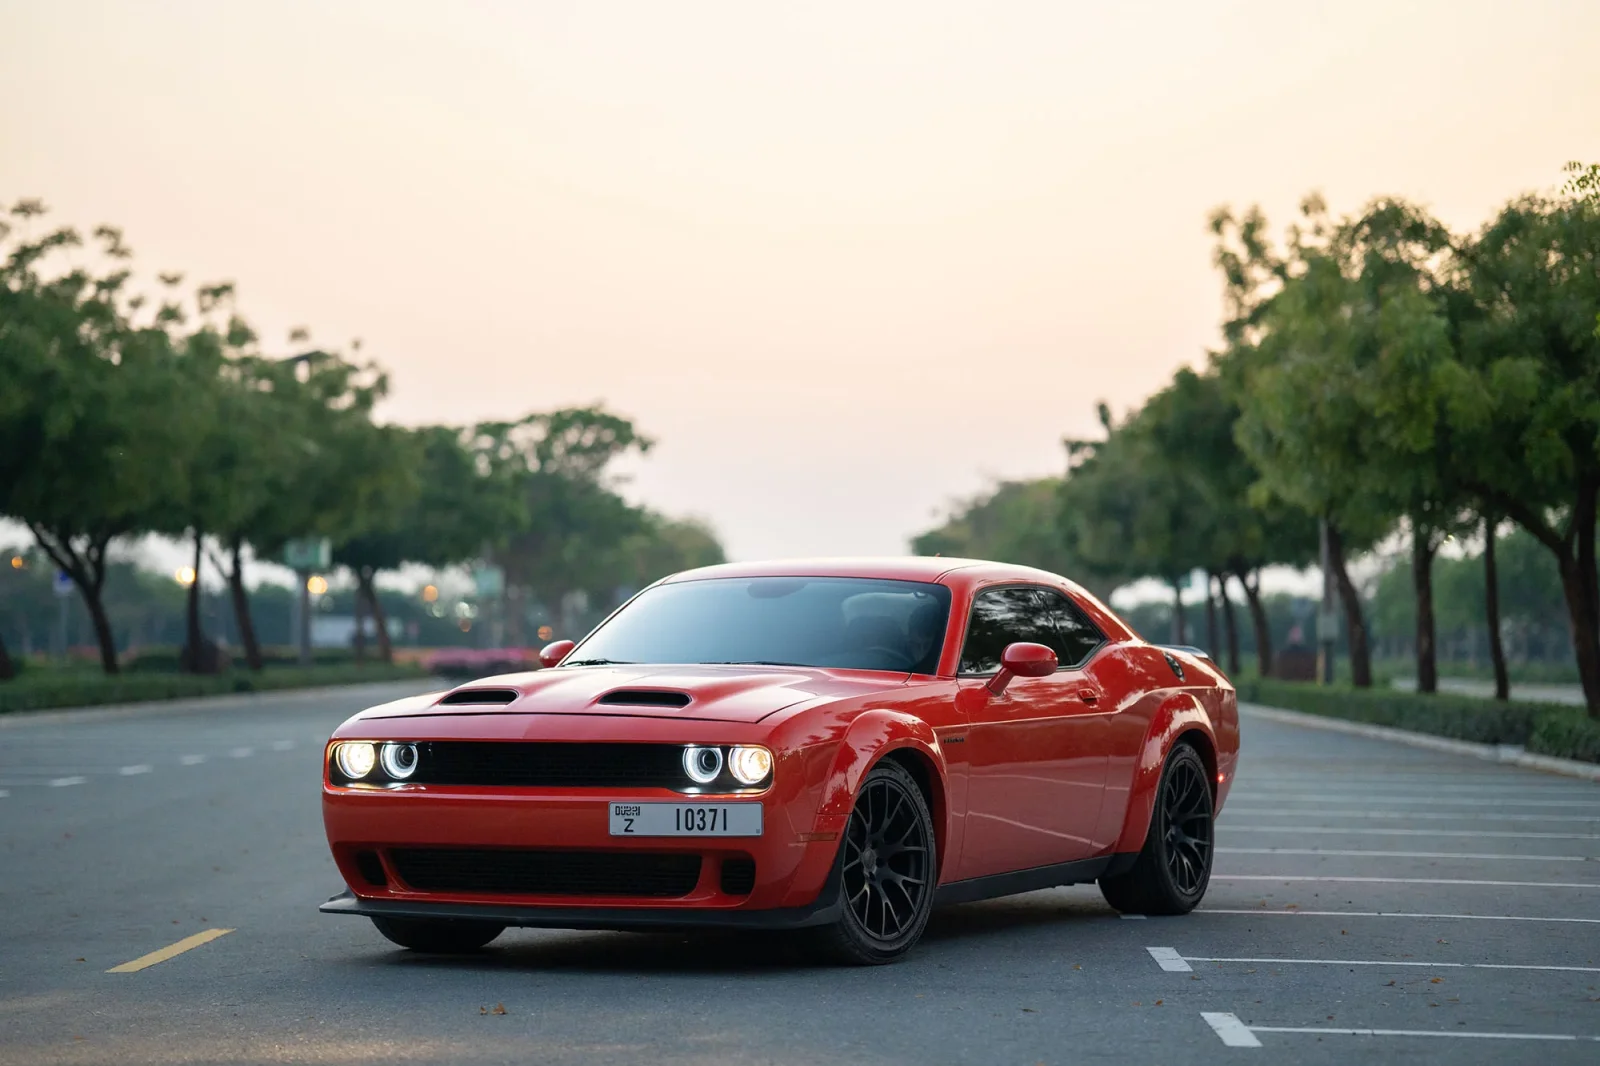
(1022, 660)
(554, 653)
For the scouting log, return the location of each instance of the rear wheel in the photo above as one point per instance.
(886, 871)
(438, 936)
(1172, 871)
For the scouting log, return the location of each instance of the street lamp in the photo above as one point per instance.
(316, 584)
(184, 576)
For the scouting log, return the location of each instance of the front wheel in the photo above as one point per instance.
(886, 871)
(438, 936)
(1172, 871)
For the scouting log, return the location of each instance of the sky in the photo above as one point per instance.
(845, 262)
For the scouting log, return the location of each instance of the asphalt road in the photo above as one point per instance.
(1360, 886)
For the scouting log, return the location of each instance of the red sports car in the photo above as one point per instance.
(834, 745)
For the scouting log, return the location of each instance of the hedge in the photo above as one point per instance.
(1546, 728)
(44, 689)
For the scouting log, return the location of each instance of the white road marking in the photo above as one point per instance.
(1233, 1032)
(192, 760)
(242, 753)
(1399, 914)
(3, 793)
(1454, 1035)
(1169, 959)
(63, 782)
(1405, 880)
(139, 768)
(1404, 854)
(1463, 816)
(1391, 801)
(1514, 834)
(1382, 962)
(282, 745)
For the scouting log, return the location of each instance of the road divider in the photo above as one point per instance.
(188, 943)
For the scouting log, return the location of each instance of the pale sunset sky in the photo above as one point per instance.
(845, 261)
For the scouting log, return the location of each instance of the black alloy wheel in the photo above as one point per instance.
(887, 860)
(1186, 820)
(1171, 872)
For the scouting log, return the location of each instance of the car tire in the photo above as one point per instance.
(438, 936)
(1173, 868)
(886, 871)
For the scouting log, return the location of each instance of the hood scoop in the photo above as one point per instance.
(492, 697)
(644, 697)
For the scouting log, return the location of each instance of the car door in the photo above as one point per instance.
(1035, 759)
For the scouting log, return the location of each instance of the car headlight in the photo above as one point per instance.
(749, 763)
(399, 760)
(702, 764)
(355, 758)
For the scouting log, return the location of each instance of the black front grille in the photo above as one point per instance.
(532, 764)
(548, 873)
(738, 876)
(367, 862)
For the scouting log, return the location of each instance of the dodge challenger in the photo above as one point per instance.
(835, 746)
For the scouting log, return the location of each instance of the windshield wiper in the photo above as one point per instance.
(598, 662)
(753, 662)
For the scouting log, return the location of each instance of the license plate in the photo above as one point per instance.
(685, 819)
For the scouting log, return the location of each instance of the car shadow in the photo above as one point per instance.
(747, 952)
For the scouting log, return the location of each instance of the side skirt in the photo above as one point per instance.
(1032, 879)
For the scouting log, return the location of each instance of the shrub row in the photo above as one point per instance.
(1547, 728)
(49, 689)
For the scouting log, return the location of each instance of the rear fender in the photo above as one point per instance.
(1180, 714)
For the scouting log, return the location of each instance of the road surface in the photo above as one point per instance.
(1450, 905)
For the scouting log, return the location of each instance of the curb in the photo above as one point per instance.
(191, 705)
(1509, 754)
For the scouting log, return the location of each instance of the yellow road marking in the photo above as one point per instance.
(170, 950)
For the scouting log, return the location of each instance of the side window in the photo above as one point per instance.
(1079, 637)
(1001, 617)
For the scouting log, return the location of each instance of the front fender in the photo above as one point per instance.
(1180, 714)
(870, 736)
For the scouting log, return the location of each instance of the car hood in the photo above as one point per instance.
(707, 693)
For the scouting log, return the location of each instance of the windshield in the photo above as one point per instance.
(847, 623)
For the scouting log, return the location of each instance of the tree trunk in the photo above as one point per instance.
(1355, 625)
(1422, 549)
(8, 670)
(370, 588)
(1587, 640)
(1230, 627)
(88, 571)
(1180, 628)
(1212, 647)
(93, 600)
(1491, 608)
(359, 641)
(1258, 619)
(241, 608)
(193, 654)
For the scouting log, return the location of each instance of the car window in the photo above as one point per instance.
(846, 623)
(1078, 636)
(1001, 617)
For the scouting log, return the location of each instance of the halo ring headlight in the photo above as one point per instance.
(356, 758)
(702, 764)
(399, 760)
(750, 764)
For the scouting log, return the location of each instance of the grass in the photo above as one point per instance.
(41, 689)
(1547, 729)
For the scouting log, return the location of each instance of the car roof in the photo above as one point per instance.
(891, 567)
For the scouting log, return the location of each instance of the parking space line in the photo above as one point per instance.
(1233, 1032)
(1383, 831)
(64, 782)
(1438, 816)
(1406, 880)
(1567, 1038)
(1169, 959)
(1398, 914)
(138, 768)
(1404, 854)
(171, 950)
(1365, 962)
